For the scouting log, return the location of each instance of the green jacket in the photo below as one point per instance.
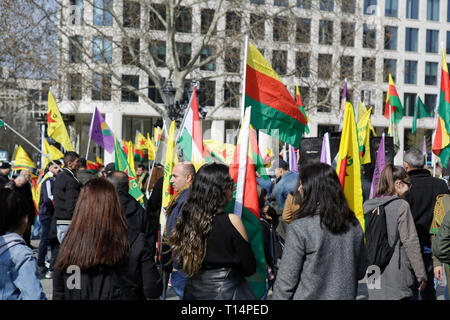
(441, 244)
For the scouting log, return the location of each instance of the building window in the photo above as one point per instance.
(325, 67)
(326, 32)
(410, 72)
(302, 65)
(257, 1)
(409, 102)
(102, 12)
(347, 34)
(131, 14)
(391, 8)
(431, 73)
(326, 5)
(45, 88)
(279, 61)
(390, 38)
(369, 37)
(207, 16)
(389, 67)
(304, 4)
(448, 42)
(304, 91)
(130, 51)
(157, 16)
(233, 24)
(348, 6)
(432, 41)
(158, 52)
(207, 94)
(411, 39)
(412, 9)
(127, 94)
(280, 29)
(207, 52)
(257, 27)
(433, 10)
(430, 103)
(184, 53)
(281, 3)
(75, 45)
(347, 63)
(231, 94)
(75, 86)
(232, 60)
(368, 69)
(101, 86)
(183, 20)
(153, 92)
(370, 7)
(303, 30)
(102, 49)
(323, 99)
(79, 5)
(448, 10)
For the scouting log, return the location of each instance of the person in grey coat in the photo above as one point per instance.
(406, 264)
(324, 254)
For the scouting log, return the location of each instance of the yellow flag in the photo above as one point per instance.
(361, 112)
(130, 157)
(151, 148)
(364, 136)
(56, 128)
(22, 161)
(52, 152)
(349, 165)
(141, 141)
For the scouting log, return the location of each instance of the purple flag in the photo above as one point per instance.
(342, 109)
(325, 155)
(101, 133)
(424, 146)
(379, 166)
(292, 160)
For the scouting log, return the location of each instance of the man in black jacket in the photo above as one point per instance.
(65, 192)
(5, 169)
(422, 198)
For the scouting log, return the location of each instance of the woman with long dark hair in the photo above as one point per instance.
(211, 245)
(397, 278)
(323, 256)
(112, 260)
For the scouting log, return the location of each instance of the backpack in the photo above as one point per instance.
(273, 250)
(379, 252)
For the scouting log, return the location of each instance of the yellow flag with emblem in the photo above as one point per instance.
(56, 128)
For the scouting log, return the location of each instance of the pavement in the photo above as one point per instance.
(171, 295)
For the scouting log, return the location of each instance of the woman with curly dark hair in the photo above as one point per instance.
(211, 245)
(323, 255)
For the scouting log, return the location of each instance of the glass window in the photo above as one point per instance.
(326, 32)
(257, 1)
(347, 63)
(207, 16)
(184, 52)
(410, 72)
(303, 30)
(75, 52)
(389, 67)
(348, 6)
(326, 5)
(432, 41)
(430, 103)
(448, 10)
(391, 8)
(409, 102)
(79, 6)
(155, 22)
(304, 91)
(232, 60)
(75, 86)
(233, 24)
(207, 93)
(347, 34)
(102, 12)
(302, 65)
(431, 73)
(279, 61)
(433, 10)
(304, 4)
(281, 3)
(390, 38)
(370, 7)
(130, 95)
(130, 51)
(280, 29)
(448, 42)
(183, 20)
(369, 37)
(231, 97)
(207, 52)
(153, 92)
(158, 52)
(412, 9)
(102, 49)
(131, 14)
(368, 69)
(101, 86)
(411, 39)
(257, 30)
(323, 100)
(325, 66)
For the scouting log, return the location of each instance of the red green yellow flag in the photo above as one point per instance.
(444, 97)
(298, 99)
(349, 165)
(393, 108)
(441, 143)
(22, 160)
(273, 108)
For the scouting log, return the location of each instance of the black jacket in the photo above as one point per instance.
(65, 192)
(422, 198)
(137, 217)
(3, 180)
(84, 176)
(136, 278)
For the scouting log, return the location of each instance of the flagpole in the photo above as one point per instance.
(90, 130)
(26, 140)
(244, 78)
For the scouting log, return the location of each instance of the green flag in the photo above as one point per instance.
(419, 112)
(122, 165)
(1, 123)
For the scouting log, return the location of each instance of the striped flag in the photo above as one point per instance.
(419, 112)
(273, 108)
(349, 165)
(191, 139)
(256, 155)
(393, 108)
(299, 101)
(245, 203)
(22, 161)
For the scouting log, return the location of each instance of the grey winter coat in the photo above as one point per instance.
(319, 265)
(406, 262)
